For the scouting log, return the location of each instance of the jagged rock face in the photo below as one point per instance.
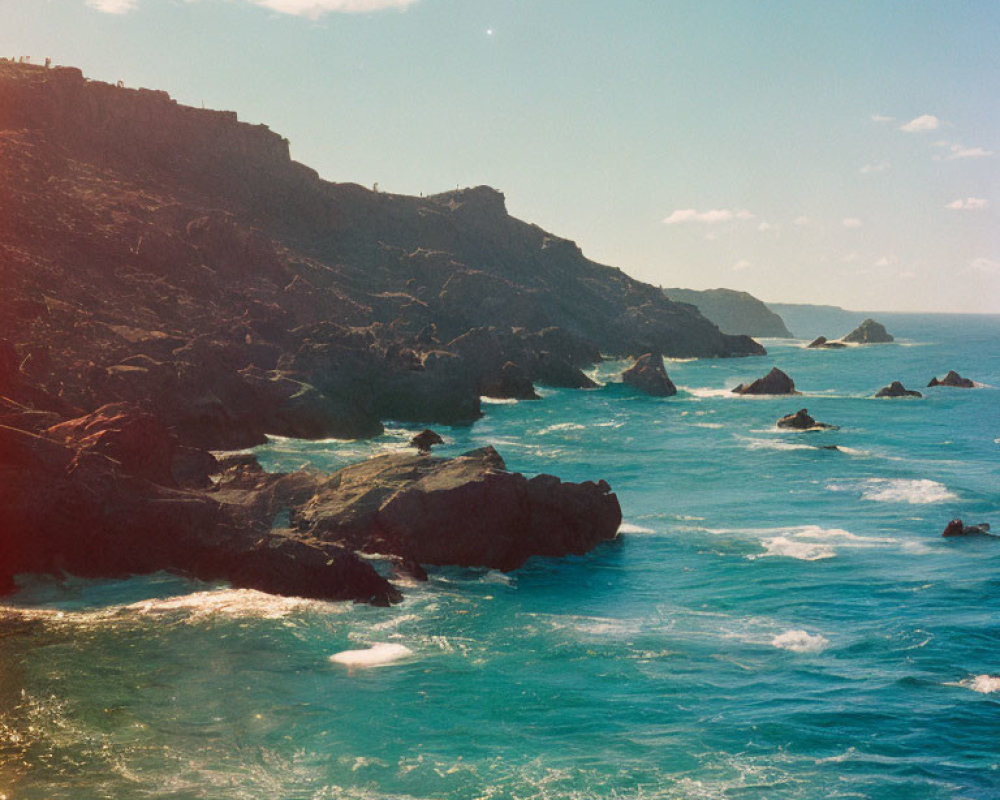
(953, 379)
(136, 227)
(869, 332)
(775, 382)
(649, 375)
(733, 311)
(896, 389)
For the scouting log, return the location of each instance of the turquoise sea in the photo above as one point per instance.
(777, 620)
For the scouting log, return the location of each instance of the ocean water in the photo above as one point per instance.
(777, 620)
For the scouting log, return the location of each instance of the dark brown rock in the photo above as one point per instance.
(425, 440)
(775, 382)
(953, 379)
(896, 389)
(801, 421)
(511, 382)
(649, 375)
(869, 332)
(958, 528)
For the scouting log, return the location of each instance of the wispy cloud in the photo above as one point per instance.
(764, 227)
(112, 6)
(802, 222)
(312, 9)
(711, 217)
(885, 261)
(741, 265)
(925, 122)
(968, 204)
(878, 166)
(958, 151)
(852, 222)
(881, 119)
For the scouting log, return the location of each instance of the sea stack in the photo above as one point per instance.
(869, 332)
(822, 343)
(801, 421)
(775, 382)
(649, 375)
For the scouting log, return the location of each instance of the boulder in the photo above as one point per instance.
(869, 332)
(896, 389)
(467, 511)
(510, 382)
(775, 382)
(801, 421)
(958, 528)
(952, 379)
(648, 375)
(821, 342)
(426, 439)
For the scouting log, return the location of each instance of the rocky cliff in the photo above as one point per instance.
(733, 311)
(179, 258)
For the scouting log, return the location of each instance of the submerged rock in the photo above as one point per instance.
(775, 382)
(821, 342)
(952, 379)
(869, 332)
(896, 389)
(801, 421)
(958, 528)
(649, 375)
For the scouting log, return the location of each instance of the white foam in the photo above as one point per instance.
(791, 548)
(701, 391)
(377, 655)
(984, 684)
(800, 642)
(498, 401)
(776, 444)
(562, 426)
(628, 527)
(897, 490)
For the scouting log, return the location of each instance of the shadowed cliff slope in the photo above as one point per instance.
(156, 253)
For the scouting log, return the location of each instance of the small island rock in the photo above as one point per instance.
(952, 379)
(775, 382)
(958, 528)
(869, 332)
(896, 389)
(425, 440)
(649, 375)
(801, 421)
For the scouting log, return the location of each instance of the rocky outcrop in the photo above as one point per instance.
(801, 421)
(649, 376)
(869, 332)
(115, 492)
(953, 379)
(733, 311)
(958, 528)
(896, 389)
(775, 382)
(466, 511)
(821, 343)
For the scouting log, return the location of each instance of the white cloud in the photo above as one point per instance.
(767, 226)
(741, 265)
(710, 217)
(852, 222)
(112, 6)
(302, 8)
(882, 120)
(957, 151)
(926, 122)
(878, 166)
(968, 204)
(802, 221)
(851, 258)
(907, 275)
(985, 265)
(885, 261)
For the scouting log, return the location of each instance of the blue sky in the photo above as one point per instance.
(830, 152)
